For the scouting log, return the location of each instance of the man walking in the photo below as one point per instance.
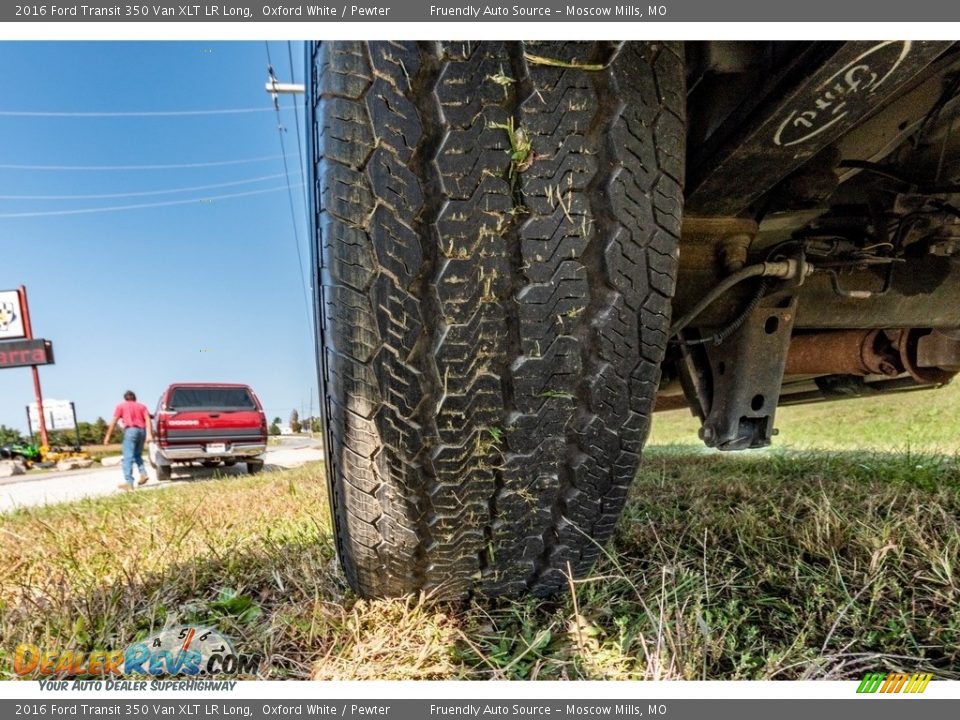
(136, 430)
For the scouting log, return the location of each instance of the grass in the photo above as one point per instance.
(784, 565)
(923, 420)
(98, 452)
(558, 63)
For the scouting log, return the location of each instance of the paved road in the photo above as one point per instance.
(298, 441)
(55, 487)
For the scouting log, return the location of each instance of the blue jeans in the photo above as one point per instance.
(133, 452)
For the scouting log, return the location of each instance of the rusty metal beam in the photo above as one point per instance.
(845, 352)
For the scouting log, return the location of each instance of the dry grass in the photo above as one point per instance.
(100, 573)
(741, 567)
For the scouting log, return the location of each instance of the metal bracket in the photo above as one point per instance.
(747, 371)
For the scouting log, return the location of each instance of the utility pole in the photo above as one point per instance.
(276, 89)
(28, 331)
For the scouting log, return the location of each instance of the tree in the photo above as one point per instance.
(99, 430)
(295, 426)
(275, 427)
(90, 434)
(62, 438)
(9, 436)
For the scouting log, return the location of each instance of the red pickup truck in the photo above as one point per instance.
(210, 424)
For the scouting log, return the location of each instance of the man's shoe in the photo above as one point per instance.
(143, 480)
(124, 486)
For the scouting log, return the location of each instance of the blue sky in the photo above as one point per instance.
(140, 298)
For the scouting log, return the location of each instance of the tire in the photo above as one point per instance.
(210, 463)
(254, 467)
(163, 472)
(491, 322)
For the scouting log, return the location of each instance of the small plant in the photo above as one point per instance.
(486, 445)
(503, 80)
(521, 149)
(230, 602)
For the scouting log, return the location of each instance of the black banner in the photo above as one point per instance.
(23, 353)
(537, 11)
(583, 708)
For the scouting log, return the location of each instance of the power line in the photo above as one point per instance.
(303, 185)
(144, 193)
(296, 120)
(191, 201)
(286, 171)
(129, 114)
(266, 44)
(177, 166)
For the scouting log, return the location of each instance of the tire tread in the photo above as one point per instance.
(491, 339)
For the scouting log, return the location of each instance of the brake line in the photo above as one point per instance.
(782, 269)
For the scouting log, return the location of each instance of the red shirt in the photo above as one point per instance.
(132, 413)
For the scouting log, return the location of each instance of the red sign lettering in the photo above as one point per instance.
(23, 353)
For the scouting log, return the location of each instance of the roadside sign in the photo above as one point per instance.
(59, 415)
(12, 326)
(18, 346)
(23, 353)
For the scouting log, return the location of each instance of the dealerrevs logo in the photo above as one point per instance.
(178, 651)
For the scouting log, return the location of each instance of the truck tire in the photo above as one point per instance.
(497, 228)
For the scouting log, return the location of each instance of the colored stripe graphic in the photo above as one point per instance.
(894, 683)
(870, 683)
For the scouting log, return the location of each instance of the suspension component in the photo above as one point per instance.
(843, 352)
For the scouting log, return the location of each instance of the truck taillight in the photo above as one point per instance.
(161, 418)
